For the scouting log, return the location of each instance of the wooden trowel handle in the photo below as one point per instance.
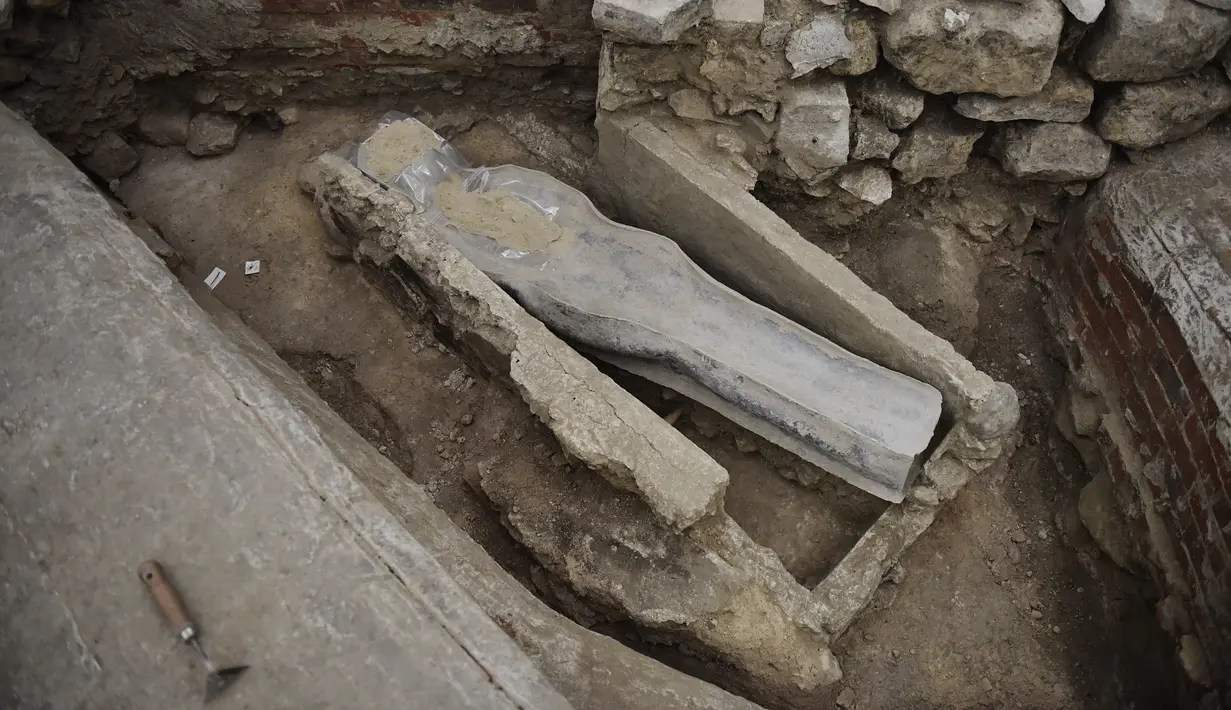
(168, 600)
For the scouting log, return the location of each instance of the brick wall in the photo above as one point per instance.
(1142, 308)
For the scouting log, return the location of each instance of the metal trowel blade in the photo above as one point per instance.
(219, 681)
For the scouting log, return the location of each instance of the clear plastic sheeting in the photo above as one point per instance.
(635, 299)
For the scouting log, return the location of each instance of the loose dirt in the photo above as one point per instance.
(499, 216)
(395, 146)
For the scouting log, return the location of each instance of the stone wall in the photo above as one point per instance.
(852, 102)
(77, 69)
(1144, 292)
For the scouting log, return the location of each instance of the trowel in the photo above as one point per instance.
(172, 606)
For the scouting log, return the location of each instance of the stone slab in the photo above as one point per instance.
(132, 428)
(661, 187)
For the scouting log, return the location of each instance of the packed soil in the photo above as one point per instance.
(1004, 602)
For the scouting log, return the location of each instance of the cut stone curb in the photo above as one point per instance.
(596, 421)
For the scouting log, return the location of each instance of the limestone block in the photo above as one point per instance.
(872, 138)
(1140, 116)
(648, 21)
(819, 44)
(212, 134)
(739, 12)
(1065, 98)
(1149, 40)
(890, 98)
(165, 126)
(1056, 152)
(862, 34)
(937, 146)
(814, 127)
(711, 586)
(869, 183)
(1086, 11)
(111, 157)
(975, 46)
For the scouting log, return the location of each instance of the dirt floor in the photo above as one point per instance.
(1004, 602)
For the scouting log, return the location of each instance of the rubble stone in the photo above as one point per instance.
(111, 157)
(1056, 152)
(869, 183)
(937, 146)
(1140, 116)
(212, 134)
(814, 127)
(14, 70)
(648, 21)
(886, 6)
(1096, 504)
(1149, 40)
(741, 12)
(165, 126)
(819, 44)
(692, 104)
(897, 102)
(775, 33)
(862, 33)
(1065, 98)
(872, 139)
(288, 115)
(975, 46)
(1086, 11)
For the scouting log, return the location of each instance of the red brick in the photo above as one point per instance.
(1173, 386)
(1197, 510)
(1124, 292)
(1198, 393)
(1167, 329)
(1153, 391)
(1178, 448)
(1199, 446)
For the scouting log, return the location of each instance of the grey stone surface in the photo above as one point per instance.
(1065, 98)
(288, 115)
(890, 98)
(871, 139)
(861, 31)
(167, 125)
(869, 183)
(1140, 116)
(111, 157)
(710, 586)
(134, 429)
(936, 146)
(1149, 40)
(819, 43)
(774, 33)
(692, 104)
(6, 13)
(887, 6)
(212, 134)
(589, 669)
(1086, 11)
(814, 127)
(648, 21)
(1103, 519)
(738, 12)
(727, 230)
(1057, 152)
(596, 421)
(975, 46)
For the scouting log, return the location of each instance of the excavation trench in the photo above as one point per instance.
(366, 341)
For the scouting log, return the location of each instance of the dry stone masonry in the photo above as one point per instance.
(830, 99)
